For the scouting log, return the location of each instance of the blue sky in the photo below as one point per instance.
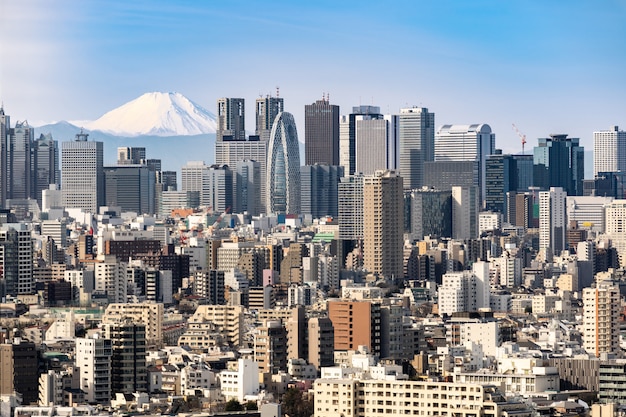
(548, 67)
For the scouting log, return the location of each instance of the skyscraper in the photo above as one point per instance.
(350, 210)
(194, 177)
(321, 133)
(417, 144)
(5, 125)
(320, 184)
(500, 178)
(465, 208)
(372, 144)
(283, 167)
(348, 134)
(82, 174)
(130, 187)
(248, 180)
(219, 188)
(230, 119)
(19, 158)
(130, 155)
(383, 224)
(267, 108)
(609, 151)
(46, 169)
(552, 221)
(559, 161)
(466, 143)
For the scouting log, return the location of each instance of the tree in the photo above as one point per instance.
(233, 405)
(251, 406)
(296, 405)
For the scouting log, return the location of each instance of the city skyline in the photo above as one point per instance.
(79, 60)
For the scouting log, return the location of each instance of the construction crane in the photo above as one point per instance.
(521, 136)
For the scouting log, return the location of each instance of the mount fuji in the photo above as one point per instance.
(156, 114)
(170, 126)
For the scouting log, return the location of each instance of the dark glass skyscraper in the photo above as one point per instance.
(559, 161)
(321, 133)
(500, 178)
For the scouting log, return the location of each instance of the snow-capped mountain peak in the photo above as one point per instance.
(158, 114)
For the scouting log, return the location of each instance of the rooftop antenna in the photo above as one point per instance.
(277, 91)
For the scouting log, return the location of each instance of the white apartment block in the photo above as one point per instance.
(240, 381)
(489, 221)
(229, 319)
(601, 306)
(372, 397)
(110, 279)
(93, 358)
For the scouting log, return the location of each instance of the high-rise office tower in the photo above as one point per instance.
(347, 135)
(130, 187)
(320, 185)
(466, 143)
(524, 164)
(383, 224)
(19, 158)
(559, 161)
(194, 177)
(267, 108)
(465, 208)
(609, 151)
(552, 220)
(283, 167)
(350, 210)
(129, 373)
(321, 133)
(500, 178)
(372, 144)
(429, 212)
(16, 260)
(416, 130)
(231, 118)
(443, 175)
(5, 125)
(248, 180)
(82, 174)
(219, 188)
(601, 306)
(93, 358)
(46, 169)
(130, 155)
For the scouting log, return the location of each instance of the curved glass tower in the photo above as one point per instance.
(283, 166)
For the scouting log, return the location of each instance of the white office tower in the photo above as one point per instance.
(616, 226)
(110, 276)
(417, 143)
(552, 220)
(601, 306)
(466, 143)
(609, 151)
(82, 174)
(194, 177)
(483, 284)
(93, 358)
(465, 207)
